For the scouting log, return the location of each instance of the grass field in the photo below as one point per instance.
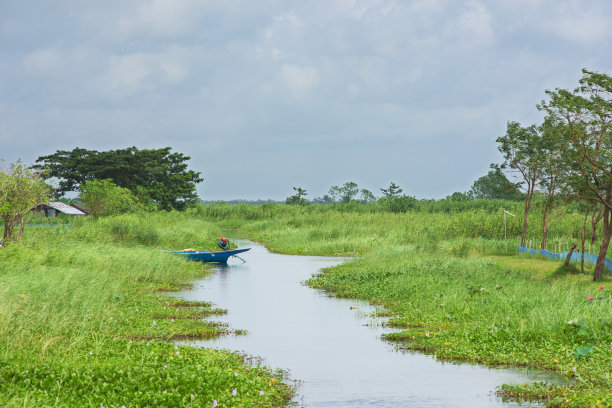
(83, 322)
(448, 282)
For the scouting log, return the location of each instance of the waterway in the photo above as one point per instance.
(332, 346)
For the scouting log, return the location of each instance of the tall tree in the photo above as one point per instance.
(587, 111)
(345, 193)
(494, 186)
(521, 148)
(298, 197)
(21, 189)
(553, 135)
(367, 196)
(392, 191)
(158, 174)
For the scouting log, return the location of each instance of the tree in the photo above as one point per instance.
(103, 197)
(345, 193)
(155, 173)
(367, 196)
(297, 198)
(552, 170)
(392, 191)
(21, 189)
(521, 147)
(458, 197)
(587, 111)
(494, 186)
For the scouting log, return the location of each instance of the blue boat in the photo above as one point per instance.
(208, 256)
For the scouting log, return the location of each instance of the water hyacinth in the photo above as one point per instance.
(262, 393)
(234, 392)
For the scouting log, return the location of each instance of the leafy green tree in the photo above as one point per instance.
(297, 198)
(345, 193)
(326, 199)
(21, 189)
(348, 191)
(522, 151)
(587, 111)
(494, 185)
(392, 191)
(552, 170)
(157, 173)
(458, 197)
(367, 196)
(103, 197)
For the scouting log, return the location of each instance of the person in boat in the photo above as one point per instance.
(224, 244)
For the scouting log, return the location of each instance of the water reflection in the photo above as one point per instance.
(332, 345)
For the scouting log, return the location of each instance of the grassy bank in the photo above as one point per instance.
(83, 322)
(447, 281)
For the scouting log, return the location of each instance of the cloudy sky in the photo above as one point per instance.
(269, 94)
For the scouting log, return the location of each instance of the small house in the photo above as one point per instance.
(54, 208)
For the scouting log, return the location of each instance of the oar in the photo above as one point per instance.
(243, 261)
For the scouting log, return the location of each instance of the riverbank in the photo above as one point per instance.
(84, 321)
(460, 298)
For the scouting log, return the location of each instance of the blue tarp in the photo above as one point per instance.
(576, 256)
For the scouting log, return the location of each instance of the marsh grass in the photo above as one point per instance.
(448, 283)
(82, 322)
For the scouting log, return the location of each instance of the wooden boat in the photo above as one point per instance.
(208, 256)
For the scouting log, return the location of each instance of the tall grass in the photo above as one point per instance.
(75, 299)
(447, 281)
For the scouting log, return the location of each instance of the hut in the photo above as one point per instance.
(54, 208)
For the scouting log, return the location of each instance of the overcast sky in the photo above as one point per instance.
(269, 94)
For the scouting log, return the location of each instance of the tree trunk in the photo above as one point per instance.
(569, 255)
(603, 248)
(528, 198)
(545, 218)
(595, 218)
(583, 239)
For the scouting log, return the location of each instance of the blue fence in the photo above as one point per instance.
(576, 256)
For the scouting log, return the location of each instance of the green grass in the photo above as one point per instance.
(448, 284)
(83, 322)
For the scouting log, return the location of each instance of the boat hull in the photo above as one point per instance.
(208, 256)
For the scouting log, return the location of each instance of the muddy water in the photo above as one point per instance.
(333, 346)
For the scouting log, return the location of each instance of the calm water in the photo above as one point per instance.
(331, 344)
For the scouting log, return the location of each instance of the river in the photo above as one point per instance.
(333, 346)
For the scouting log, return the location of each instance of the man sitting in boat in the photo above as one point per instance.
(224, 244)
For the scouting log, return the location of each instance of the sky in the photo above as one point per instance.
(268, 95)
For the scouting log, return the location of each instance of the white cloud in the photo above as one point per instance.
(44, 62)
(167, 18)
(300, 81)
(128, 72)
(475, 23)
(581, 28)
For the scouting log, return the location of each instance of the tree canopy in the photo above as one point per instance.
(495, 185)
(21, 189)
(151, 174)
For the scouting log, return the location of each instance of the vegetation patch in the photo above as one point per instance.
(82, 322)
(461, 297)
